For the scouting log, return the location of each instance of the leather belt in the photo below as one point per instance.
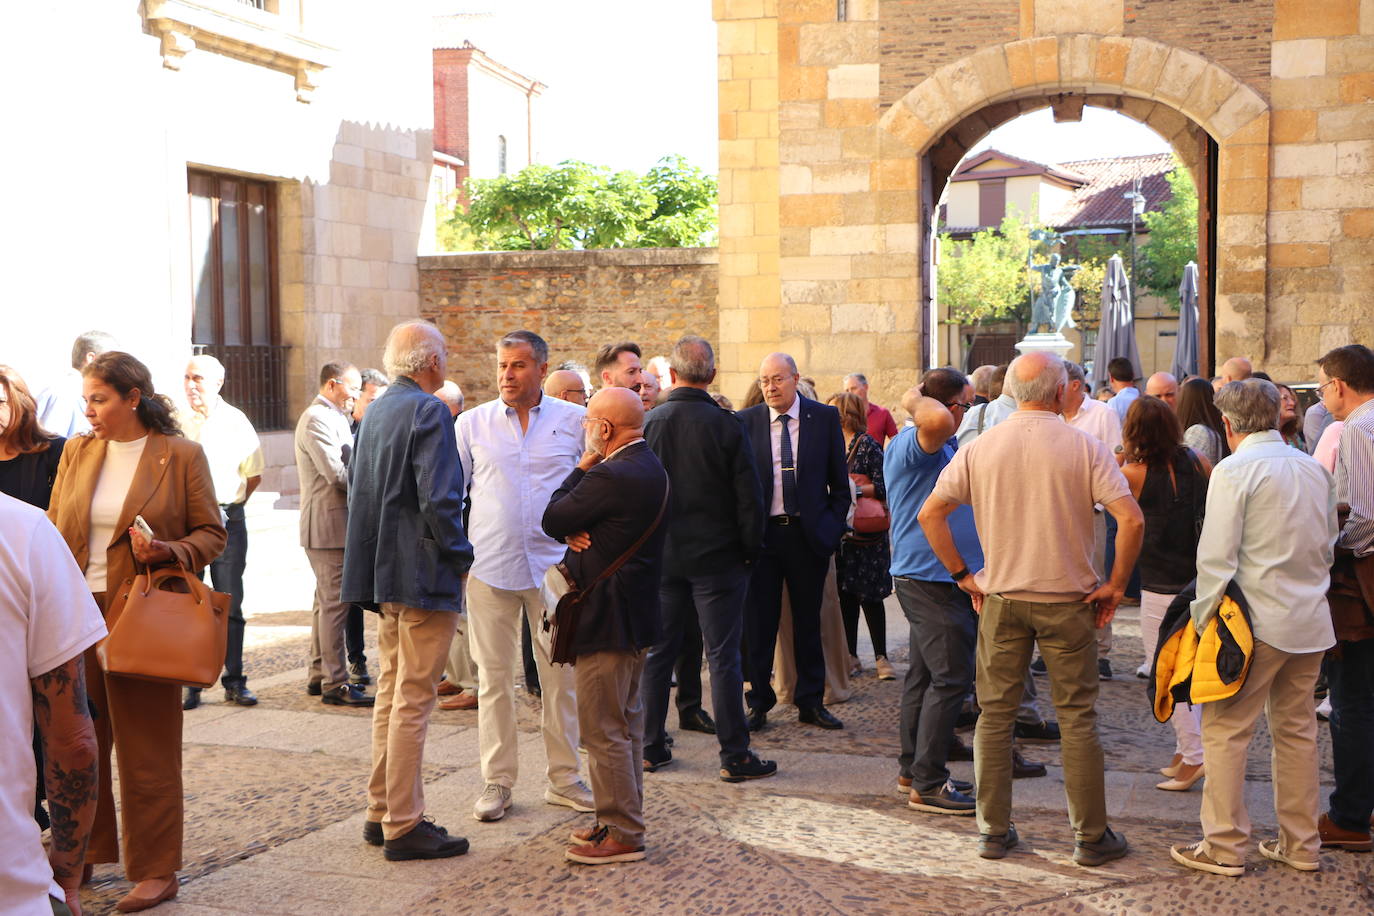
(784, 519)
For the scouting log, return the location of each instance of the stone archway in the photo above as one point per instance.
(1185, 97)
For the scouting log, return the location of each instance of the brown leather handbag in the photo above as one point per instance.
(167, 626)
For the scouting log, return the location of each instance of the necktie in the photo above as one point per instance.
(789, 469)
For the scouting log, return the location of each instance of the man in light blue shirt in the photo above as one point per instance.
(944, 627)
(983, 417)
(1121, 375)
(1270, 528)
(515, 451)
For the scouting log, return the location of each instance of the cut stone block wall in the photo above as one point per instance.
(575, 300)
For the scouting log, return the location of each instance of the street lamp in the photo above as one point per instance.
(1137, 208)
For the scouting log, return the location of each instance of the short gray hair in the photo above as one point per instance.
(858, 377)
(96, 342)
(408, 352)
(693, 359)
(1252, 405)
(537, 344)
(1041, 388)
(374, 378)
(1074, 372)
(207, 364)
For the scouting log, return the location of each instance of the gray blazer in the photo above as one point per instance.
(323, 442)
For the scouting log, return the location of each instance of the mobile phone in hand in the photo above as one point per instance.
(143, 527)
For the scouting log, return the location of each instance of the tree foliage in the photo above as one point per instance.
(985, 279)
(578, 205)
(1173, 238)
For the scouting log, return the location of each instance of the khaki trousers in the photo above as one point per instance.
(833, 643)
(413, 644)
(611, 713)
(1279, 684)
(328, 657)
(141, 722)
(1007, 631)
(461, 671)
(494, 618)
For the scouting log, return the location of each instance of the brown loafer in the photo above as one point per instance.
(448, 688)
(459, 701)
(148, 894)
(1334, 837)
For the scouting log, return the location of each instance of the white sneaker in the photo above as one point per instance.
(1324, 709)
(575, 795)
(492, 804)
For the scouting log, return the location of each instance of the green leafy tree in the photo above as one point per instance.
(1173, 238)
(578, 205)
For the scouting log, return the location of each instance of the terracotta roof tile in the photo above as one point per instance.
(1100, 201)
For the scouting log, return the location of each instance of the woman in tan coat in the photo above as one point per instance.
(134, 462)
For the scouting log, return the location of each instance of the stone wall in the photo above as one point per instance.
(576, 300)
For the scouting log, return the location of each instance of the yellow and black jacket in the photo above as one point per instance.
(1189, 668)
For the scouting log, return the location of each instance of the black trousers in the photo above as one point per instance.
(788, 559)
(226, 575)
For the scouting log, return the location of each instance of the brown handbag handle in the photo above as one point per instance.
(621, 560)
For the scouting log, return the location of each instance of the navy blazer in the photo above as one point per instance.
(823, 488)
(405, 541)
(614, 502)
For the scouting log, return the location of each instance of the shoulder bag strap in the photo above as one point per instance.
(621, 560)
(982, 415)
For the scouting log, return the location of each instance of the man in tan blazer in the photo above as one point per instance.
(323, 446)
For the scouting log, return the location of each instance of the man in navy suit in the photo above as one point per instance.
(799, 453)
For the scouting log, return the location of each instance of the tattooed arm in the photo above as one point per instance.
(71, 761)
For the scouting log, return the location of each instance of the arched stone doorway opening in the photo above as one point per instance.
(1218, 126)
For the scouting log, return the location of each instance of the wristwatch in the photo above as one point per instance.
(960, 575)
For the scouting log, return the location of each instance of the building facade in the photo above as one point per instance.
(842, 122)
(246, 178)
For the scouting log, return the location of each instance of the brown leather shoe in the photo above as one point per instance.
(1333, 837)
(459, 701)
(583, 835)
(448, 688)
(148, 894)
(604, 850)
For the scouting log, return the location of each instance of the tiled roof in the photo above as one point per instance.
(1100, 201)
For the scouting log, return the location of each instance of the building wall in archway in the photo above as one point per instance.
(824, 123)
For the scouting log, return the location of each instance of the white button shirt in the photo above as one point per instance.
(775, 435)
(1270, 527)
(1099, 421)
(510, 476)
(231, 447)
(996, 410)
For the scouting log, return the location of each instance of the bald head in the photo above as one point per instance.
(615, 417)
(1164, 386)
(452, 396)
(1236, 369)
(566, 385)
(1037, 379)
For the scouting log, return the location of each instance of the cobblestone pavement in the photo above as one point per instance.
(275, 800)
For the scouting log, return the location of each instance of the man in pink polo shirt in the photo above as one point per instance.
(881, 426)
(1033, 481)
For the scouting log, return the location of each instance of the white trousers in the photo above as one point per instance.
(494, 637)
(1187, 721)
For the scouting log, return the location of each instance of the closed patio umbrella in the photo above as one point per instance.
(1116, 332)
(1186, 344)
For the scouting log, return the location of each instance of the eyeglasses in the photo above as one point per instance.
(587, 421)
(962, 404)
(1324, 384)
(347, 387)
(581, 391)
(775, 381)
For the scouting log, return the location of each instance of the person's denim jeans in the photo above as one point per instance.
(944, 630)
(1350, 680)
(226, 575)
(717, 600)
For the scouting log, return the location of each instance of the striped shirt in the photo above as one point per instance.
(1355, 479)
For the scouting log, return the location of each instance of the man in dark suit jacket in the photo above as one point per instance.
(715, 536)
(799, 454)
(405, 555)
(605, 506)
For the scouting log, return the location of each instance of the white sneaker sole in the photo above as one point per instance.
(1270, 850)
(936, 809)
(554, 798)
(488, 816)
(1228, 871)
(636, 856)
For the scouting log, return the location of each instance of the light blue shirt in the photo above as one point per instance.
(510, 476)
(909, 473)
(992, 413)
(1270, 528)
(1122, 400)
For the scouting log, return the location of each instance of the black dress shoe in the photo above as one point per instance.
(758, 720)
(656, 760)
(372, 833)
(190, 699)
(1021, 768)
(241, 695)
(426, 841)
(818, 716)
(348, 695)
(314, 688)
(697, 720)
(958, 750)
(747, 767)
(357, 673)
(967, 718)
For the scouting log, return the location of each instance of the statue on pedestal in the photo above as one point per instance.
(1054, 306)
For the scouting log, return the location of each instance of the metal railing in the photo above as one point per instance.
(255, 382)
